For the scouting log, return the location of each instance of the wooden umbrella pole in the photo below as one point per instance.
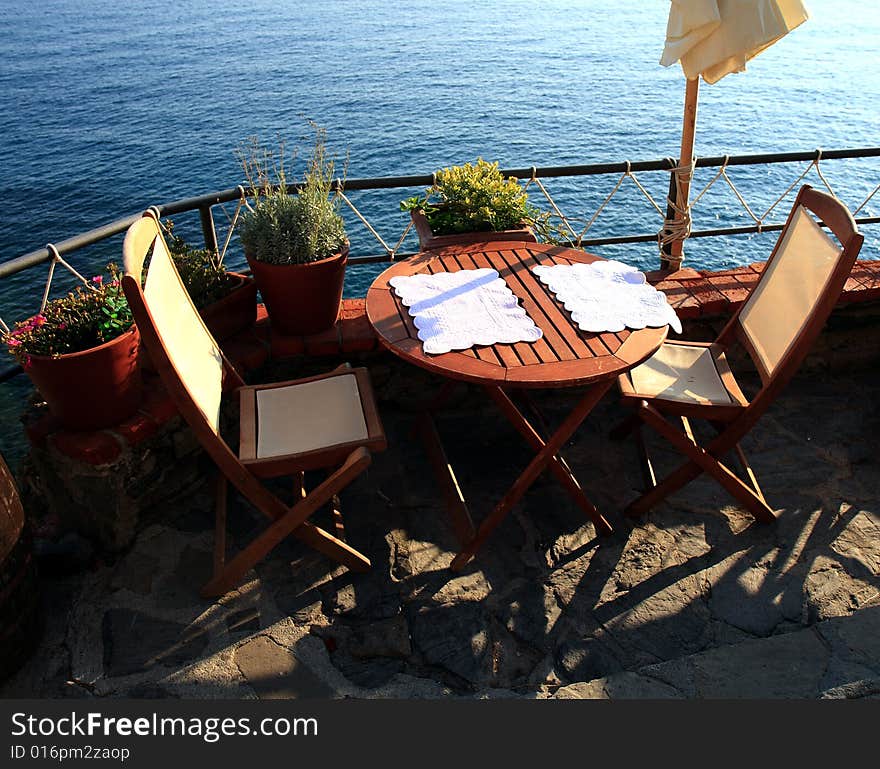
(686, 157)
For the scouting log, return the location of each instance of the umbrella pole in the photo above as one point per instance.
(680, 188)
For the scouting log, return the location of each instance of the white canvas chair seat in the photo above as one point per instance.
(299, 418)
(776, 326)
(683, 373)
(324, 422)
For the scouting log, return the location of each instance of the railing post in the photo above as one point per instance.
(208, 230)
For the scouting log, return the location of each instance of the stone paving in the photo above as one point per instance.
(694, 601)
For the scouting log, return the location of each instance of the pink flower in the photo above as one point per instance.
(13, 342)
(38, 320)
(27, 362)
(98, 280)
(62, 326)
(114, 283)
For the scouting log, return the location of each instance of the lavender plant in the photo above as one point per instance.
(284, 225)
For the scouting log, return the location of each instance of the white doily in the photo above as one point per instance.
(456, 310)
(608, 296)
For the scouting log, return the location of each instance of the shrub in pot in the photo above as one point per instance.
(81, 353)
(294, 239)
(470, 203)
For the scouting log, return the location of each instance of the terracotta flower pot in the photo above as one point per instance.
(302, 299)
(235, 312)
(428, 241)
(92, 389)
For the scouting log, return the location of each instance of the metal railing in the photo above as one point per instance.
(204, 205)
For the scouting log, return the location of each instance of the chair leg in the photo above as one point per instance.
(701, 461)
(685, 423)
(334, 548)
(220, 507)
(649, 477)
(720, 427)
(294, 519)
(338, 521)
(747, 469)
(628, 425)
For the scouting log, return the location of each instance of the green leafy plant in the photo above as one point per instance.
(201, 269)
(474, 197)
(284, 225)
(87, 317)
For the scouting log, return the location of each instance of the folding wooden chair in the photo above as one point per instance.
(776, 325)
(285, 428)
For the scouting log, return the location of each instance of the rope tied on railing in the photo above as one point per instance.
(58, 259)
(54, 259)
(243, 198)
(813, 164)
(389, 251)
(678, 226)
(232, 222)
(627, 174)
(577, 237)
(556, 210)
(867, 199)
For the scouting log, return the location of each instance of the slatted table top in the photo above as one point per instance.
(564, 357)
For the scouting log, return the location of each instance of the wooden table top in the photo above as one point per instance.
(563, 357)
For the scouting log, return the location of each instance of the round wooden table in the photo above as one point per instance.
(564, 357)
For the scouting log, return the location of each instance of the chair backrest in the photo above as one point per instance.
(180, 346)
(800, 284)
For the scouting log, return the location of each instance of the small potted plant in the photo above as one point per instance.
(472, 203)
(294, 239)
(81, 353)
(227, 301)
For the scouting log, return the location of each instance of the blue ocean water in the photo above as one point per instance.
(109, 107)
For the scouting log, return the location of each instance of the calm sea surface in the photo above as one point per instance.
(109, 107)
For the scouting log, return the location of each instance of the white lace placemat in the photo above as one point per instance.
(608, 296)
(456, 310)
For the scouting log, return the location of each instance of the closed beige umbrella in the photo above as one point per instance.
(711, 39)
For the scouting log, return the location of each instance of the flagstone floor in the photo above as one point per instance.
(695, 600)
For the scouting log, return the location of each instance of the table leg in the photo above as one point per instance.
(443, 473)
(435, 404)
(557, 464)
(528, 476)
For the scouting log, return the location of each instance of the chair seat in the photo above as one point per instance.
(308, 416)
(682, 373)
